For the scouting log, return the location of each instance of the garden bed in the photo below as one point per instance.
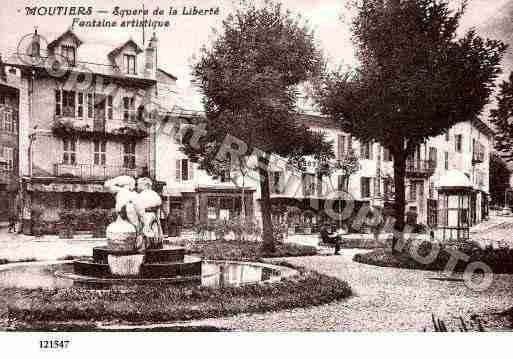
(82, 309)
(500, 260)
(43, 308)
(245, 251)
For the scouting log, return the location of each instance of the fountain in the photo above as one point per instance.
(135, 251)
(135, 254)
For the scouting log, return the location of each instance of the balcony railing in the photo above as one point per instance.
(6, 176)
(93, 172)
(420, 168)
(63, 126)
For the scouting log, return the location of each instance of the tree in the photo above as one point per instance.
(346, 166)
(249, 78)
(499, 179)
(415, 79)
(502, 119)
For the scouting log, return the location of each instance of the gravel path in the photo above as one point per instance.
(386, 299)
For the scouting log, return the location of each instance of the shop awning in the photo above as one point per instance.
(66, 187)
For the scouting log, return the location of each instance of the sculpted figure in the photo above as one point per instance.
(123, 234)
(148, 205)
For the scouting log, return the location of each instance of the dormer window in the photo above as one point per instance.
(129, 64)
(68, 52)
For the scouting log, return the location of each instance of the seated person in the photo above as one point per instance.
(330, 238)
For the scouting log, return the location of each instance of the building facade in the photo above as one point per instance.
(466, 147)
(9, 154)
(82, 120)
(191, 195)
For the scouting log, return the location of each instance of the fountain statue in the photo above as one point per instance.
(135, 242)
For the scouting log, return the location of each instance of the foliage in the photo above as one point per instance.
(245, 250)
(156, 304)
(67, 127)
(499, 179)
(474, 325)
(500, 259)
(500, 117)
(249, 77)
(415, 78)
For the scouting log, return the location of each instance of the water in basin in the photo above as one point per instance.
(214, 274)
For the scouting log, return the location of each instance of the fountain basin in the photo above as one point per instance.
(54, 275)
(189, 266)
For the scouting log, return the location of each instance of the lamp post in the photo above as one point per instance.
(32, 138)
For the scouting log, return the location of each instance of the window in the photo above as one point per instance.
(275, 182)
(184, 170)
(7, 121)
(344, 145)
(128, 109)
(446, 160)
(68, 52)
(100, 152)
(65, 103)
(365, 186)
(458, 143)
(109, 109)
(366, 151)
(433, 156)
(80, 106)
(308, 184)
(226, 176)
(8, 155)
(447, 136)
(341, 183)
(413, 191)
(129, 64)
(387, 155)
(388, 184)
(69, 151)
(129, 155)
(58, 103)
(2, 99)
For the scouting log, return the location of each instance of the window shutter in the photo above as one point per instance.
(362, 180)
(178, 169)
(191, 169)
(371, 145)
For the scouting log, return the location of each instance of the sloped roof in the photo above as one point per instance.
(454, 179)
(92, 55)
(118, 49)
(68, 32)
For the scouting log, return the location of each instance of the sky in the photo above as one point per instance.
(179, 43)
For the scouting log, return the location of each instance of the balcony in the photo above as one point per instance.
(6, 177)
(420, 168)
(93, 172)
(66, 126)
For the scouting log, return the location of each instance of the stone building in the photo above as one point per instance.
(81, 121)
(9, 104)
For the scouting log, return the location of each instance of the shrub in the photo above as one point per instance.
(169, 303)
(244, 250)
(500, 260)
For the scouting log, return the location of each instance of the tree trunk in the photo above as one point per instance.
(265, 203)
(400, 196)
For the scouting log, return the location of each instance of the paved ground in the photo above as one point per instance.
(385, 298)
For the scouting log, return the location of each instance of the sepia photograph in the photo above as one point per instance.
(237, 166)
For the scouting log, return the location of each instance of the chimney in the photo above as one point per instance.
(150, 69)
(35, 47)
